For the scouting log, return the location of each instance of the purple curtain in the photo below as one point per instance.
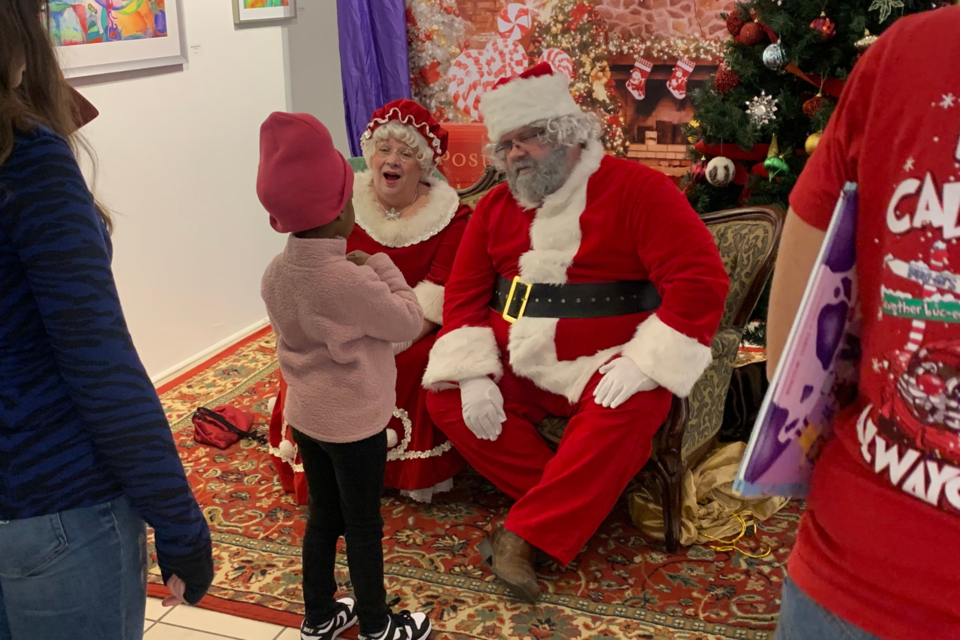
(373, 60)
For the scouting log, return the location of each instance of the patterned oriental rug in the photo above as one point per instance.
(623, 585)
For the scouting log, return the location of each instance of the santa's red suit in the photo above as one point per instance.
(612, 221)
(423, 246)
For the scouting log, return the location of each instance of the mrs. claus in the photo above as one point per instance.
(402, 210)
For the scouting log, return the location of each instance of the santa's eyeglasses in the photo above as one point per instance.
(524, 140)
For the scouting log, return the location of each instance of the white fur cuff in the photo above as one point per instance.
(468, 352)
(430, 296)
(674, 360)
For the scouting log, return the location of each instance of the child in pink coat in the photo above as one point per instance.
(336, 318)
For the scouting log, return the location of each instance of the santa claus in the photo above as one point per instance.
(585, 287)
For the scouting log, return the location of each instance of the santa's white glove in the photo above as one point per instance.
(482, 407)
(621, 380)
(400, 347)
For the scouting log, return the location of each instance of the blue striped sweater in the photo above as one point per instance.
(80, 421)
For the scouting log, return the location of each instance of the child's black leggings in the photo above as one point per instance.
(345, 481)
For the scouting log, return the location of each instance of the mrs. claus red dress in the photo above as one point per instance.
(423, 247)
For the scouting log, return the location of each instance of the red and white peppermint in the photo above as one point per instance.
(514, 21)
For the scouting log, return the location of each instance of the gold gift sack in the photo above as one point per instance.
(710, 510)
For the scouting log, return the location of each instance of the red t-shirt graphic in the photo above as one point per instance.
(880, 543)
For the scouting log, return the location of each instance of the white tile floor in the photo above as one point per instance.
(191, 623)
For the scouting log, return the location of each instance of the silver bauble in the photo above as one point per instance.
(774, 57)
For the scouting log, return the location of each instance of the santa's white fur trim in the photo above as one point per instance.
(555, 233)
(430, 296)
(525, 100)
(555, 237)
(467, 352)
(674, 360)
(533, 355)
(430, 220)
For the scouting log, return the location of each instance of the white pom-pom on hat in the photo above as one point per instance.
(392, 439)
(287, 451)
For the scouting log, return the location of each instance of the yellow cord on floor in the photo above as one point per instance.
(731, 545)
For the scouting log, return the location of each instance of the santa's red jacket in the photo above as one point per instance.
(613, 220)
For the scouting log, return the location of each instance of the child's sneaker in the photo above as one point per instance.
(342, 620)
(403, 626)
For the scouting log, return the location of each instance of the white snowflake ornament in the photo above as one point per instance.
(885, 7)
(762, 109)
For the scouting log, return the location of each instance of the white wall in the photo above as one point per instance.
(314, 67)
(178, 154)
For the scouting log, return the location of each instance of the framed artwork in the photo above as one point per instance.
(106, 36)
(252, 11)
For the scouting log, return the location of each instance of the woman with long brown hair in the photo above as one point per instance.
(86, 454)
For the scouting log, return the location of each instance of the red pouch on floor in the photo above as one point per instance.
(223, 426)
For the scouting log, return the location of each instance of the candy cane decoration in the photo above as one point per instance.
(938, 254)
(507, 59)
(466, 81)
(559, 60)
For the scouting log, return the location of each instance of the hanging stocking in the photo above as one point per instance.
(677, 84)
(637, 84)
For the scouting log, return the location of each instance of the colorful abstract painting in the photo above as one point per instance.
(98, 21)
(264, 11)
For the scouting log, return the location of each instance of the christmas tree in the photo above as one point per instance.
(436, 35)
(761, 117)
(576, 40)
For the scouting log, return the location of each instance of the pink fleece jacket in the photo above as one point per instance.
(335, 324)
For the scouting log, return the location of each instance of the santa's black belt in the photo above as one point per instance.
(517, 299)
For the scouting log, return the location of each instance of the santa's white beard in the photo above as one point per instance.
(547, 176)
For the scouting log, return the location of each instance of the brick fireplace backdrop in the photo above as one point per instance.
(653, 124)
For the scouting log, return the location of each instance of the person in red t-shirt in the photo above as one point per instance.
(878, 550)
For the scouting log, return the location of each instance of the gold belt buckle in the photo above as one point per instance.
(523, 303)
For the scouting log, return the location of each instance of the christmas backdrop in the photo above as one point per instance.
(631, 61)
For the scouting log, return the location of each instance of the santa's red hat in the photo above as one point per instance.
(411, 113)
(536, 94)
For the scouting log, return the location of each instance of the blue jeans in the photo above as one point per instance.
(75, 575)
(803, 619)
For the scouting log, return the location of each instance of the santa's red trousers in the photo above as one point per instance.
(563, 497)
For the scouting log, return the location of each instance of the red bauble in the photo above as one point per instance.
(698, 172)
(813, 106)
(752, 34)
(726, 80)
(825, 27)
(734, 24)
